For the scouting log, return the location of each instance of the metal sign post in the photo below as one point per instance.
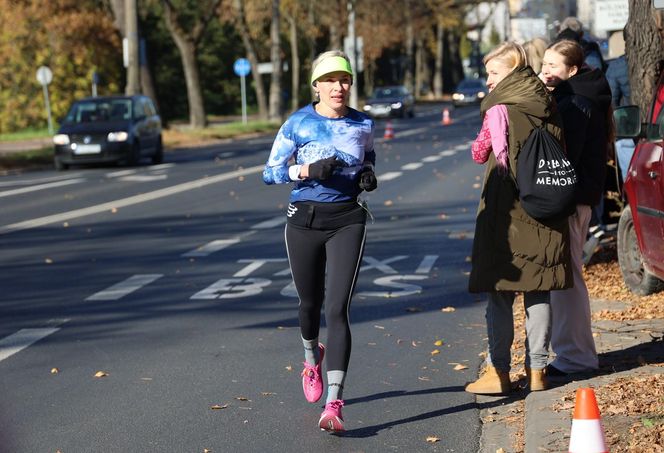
(44, 77)
(242, 68)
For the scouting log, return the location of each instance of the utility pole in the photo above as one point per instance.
(133, 66)
(353, 52)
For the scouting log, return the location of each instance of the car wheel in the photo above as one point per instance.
(134, 155)
(59, 165)
(636, 277)
(159, 152)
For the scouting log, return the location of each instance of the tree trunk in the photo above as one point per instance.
(419, 59)
(295, 65)
(438, 68)
(408, 74)
(243, 29)
(369, 72)
(197, 117)
(276, 91)
(187, 47)
(644, 52)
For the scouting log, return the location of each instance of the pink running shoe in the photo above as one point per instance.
(331, 419)
(312, 380)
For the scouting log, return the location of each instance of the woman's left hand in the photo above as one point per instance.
(368, 180)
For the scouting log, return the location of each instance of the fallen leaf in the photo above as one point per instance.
(476, 186)
(379, 327)
(54, 371)
(413, 309)
(100, 374)
(448, 309)
(388, 203)
(114, 210)
(217, 407)
(414, 343)
(289, 368)
(433, 439)
(66, 224)
(435, 351)
(205, 450)
(460, 367)
(500, 450)
(48, 261)
(242, 398)
(424, 378)
(438, 343)
(268, 393)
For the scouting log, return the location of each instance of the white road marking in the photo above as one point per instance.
(447, 153)
(461, 147)
(143, 178)
(160, 166)
(431, 158)
(125, 287)
(405, 133)
(412, 166)
(27, 182)
(117, 174)
(384, 177)
(49, 185)
(426, 264)
(129, 201)
(211, 247)
(270, 223)
(461, 235)
(22, 339)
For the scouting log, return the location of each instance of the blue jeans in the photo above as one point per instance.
(624, 150)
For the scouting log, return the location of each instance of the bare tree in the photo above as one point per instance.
(408, 73)
(243, 29)
(644, 51)
(187, 23)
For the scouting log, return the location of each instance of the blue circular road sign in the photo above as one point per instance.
(242, 67)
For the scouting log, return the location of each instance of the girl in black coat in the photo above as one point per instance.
(584, 99)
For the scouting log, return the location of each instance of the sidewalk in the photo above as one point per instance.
(542, 422)
(25, 145)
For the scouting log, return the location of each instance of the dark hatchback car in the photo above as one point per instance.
(390, 101)
(469, 91)
(641, 227)
(109, 130)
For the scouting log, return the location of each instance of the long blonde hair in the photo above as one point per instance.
(509, 53)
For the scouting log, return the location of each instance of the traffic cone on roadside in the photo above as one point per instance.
(389, 132)
(587, 434)
(446, 120)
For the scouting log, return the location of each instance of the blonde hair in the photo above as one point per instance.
(509, 53)
(328, 54)
(535, 52)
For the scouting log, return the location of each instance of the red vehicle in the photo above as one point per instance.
(641, 226)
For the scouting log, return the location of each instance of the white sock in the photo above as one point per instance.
(335, 385)
(311, 351)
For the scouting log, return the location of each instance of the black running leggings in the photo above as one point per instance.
(310, 253)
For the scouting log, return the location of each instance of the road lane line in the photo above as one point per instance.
(20, 340)
(129, 201)
(412, 166)
(128, 286)
(27, 182)
(431, 158)
(384, 177)
(270, 223)
(447, 153)
(143, 178)
(117, 174)
(49, 185)
(211, 247)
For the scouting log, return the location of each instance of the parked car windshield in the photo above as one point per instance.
(99, 111)
(383, 93)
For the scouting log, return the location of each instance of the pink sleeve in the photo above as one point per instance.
(492, 136)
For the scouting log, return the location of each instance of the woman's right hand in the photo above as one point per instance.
(321, 169)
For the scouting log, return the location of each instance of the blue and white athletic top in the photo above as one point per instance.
(308, 137)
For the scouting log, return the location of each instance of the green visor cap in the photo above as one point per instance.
(331, 64)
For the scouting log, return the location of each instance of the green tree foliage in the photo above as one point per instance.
(73, 38)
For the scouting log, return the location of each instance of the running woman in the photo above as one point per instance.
(331, 146)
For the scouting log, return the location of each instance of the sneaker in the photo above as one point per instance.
(312, 379)
(331, 419)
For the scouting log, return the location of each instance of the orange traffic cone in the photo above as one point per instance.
(389, 132)
(446, 118)
(587, 434)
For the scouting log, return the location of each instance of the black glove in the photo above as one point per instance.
(322, 169)
(368, 180)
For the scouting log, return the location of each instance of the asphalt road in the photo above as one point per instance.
(172, 281)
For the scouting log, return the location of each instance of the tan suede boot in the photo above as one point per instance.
(492, 382)
(536, 379)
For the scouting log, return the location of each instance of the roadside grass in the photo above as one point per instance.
(26, 134)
